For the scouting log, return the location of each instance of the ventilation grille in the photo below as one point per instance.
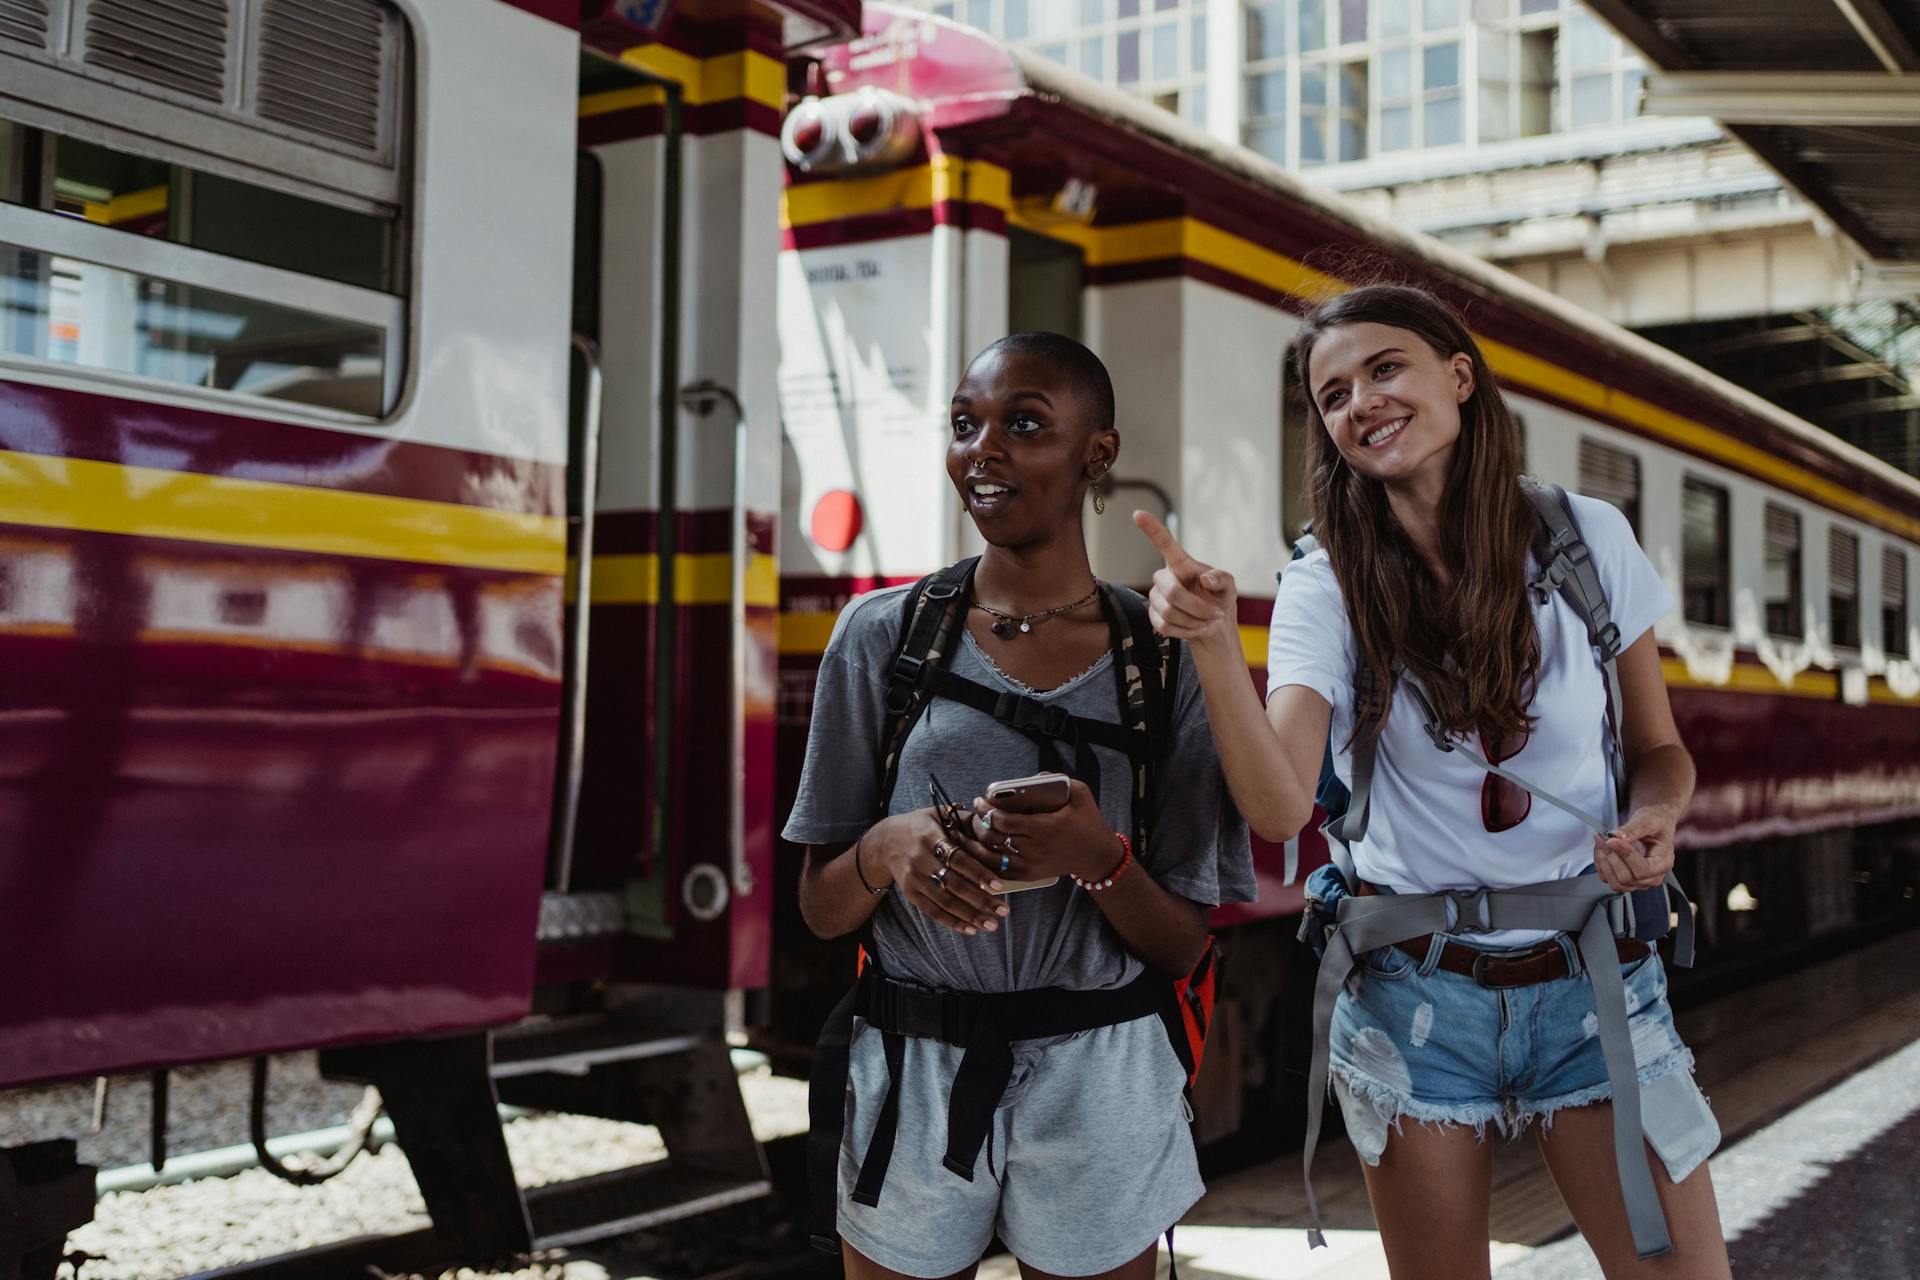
(1783, 529)
(24, 22)
(176, 44)
(1609, 474)
(1893, 578)
(1843, 563)
(322, 68)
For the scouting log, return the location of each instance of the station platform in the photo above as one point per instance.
(1815, 1078)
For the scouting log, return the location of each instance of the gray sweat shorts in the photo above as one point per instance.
(1088, 1161)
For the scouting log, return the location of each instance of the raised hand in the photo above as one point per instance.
(1190, 600)
(1639, 853)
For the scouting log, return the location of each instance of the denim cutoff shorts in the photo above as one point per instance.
(1413, 1040)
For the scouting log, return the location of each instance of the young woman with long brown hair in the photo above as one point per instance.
(1422, 584)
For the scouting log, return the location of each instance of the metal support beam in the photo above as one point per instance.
(1863, 98)
(1881, 33)
(1639, 32)
(1882, 404)
(1833, 373)
(1785, 335)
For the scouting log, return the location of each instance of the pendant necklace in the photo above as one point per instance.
(1008, 625)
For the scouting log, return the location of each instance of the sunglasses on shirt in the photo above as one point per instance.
(1504, 806)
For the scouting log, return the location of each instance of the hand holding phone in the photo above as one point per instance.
(1036, 793)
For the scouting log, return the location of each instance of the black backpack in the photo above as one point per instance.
(1146, 668)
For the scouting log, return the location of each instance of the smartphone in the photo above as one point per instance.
(1039, 793)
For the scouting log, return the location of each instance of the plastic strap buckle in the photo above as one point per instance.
(1469, 904)
(1620, 915)
(905, 684)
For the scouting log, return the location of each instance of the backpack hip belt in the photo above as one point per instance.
(1582, 906)
(985, 1024)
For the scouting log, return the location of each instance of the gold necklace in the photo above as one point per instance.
(1008, 625)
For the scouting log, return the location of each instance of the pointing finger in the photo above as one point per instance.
(1163, 540)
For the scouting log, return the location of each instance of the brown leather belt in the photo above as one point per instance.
(1542, 963)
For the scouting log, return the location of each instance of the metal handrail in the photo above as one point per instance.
(573, 736)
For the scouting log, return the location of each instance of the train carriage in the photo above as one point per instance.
(436, 437)
(366, 369)
(1006, 193)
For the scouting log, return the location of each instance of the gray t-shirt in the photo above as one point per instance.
(1052, 937)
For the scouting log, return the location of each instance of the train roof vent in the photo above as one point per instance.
(24, 22)
(179, 44)
(322, 68)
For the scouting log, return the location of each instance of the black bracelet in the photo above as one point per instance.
(871, 891)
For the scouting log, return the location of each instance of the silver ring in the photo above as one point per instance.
(940, 877)
(943, 851)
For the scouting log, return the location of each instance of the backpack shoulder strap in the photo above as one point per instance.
(1146, 669)
(930, 618)
(1566, 566)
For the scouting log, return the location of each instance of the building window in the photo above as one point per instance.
(1843, 588)
(1781, 574)
(1266, 108)
(1440, 90)
(1353, 21)
(1893, 602)
(1266, 31)
(1313, 25)
(1333, 111)
(1704, 569)
(1611, 475)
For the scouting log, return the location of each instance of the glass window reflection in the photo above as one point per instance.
(82, 313)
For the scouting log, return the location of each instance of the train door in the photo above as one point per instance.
(666, 803)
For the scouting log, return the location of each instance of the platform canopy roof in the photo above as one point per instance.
(1826, 91)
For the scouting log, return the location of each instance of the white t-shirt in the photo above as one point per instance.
(1425, 832)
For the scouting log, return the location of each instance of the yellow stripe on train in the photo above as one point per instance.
(746, 73)
(107, 497)
(704, 577)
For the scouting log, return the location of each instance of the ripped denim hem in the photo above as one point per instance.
(1544, 1109)
(1370, 1108)
(1675, 1116)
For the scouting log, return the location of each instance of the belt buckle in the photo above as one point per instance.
(1480, 974)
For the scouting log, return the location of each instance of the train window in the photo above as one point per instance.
(1611, 475)
(1296, 481)
(1705, 572)
(1893, 602)
(1045, 281)
(68, 310)
(1785, 616)
(234, 218)
(12, 161)
(1843, 588)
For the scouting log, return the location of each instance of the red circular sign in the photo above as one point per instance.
(836, 520)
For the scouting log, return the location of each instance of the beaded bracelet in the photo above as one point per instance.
(1119, 868)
